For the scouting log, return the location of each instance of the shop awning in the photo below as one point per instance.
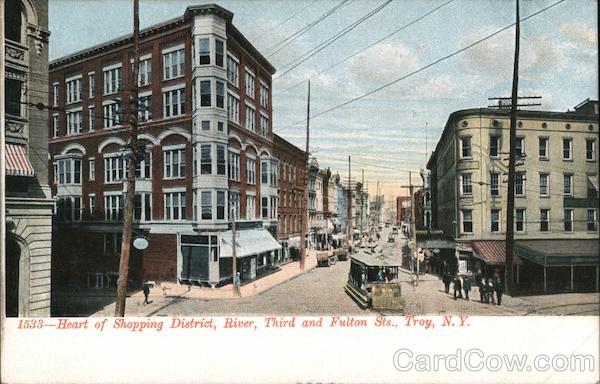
(17, 161)
(560, 253)
(492, 252)
(433, 241)
(248, 242)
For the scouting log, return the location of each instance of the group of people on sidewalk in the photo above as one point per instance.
(490, 289)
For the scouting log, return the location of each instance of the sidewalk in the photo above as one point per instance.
(164, 294)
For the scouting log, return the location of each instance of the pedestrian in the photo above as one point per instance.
(498, 289)
(482, 291)
(457, 287)
(146, 290)
(446, 279)
(467, 286)
(238, 283)
(380, 276)
(490, 290)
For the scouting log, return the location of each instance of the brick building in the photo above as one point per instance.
(206, 123)
(292, 183)
(403, 211)
(28, 205)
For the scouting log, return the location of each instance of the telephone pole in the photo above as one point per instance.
(304, 205)
(362, 204)
(349, 226)
(510, 206)
(413, 227)
(133, 154)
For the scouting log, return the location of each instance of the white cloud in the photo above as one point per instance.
(381, 64)
(579, 33)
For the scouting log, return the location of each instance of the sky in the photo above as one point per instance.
(395, 129)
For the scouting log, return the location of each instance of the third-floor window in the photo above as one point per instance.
(73, 91)
(173, 64)
(174, 163)
(112, 80)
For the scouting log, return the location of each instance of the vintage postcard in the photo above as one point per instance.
(283, 191)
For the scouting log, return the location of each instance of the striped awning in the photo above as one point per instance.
(17, 161)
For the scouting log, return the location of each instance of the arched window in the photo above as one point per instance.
(13, 11)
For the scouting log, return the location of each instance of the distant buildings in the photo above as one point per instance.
(556, 188)
(403, 209)
(28, 200)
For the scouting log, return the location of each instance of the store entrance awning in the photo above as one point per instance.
(492, 252)
(17, 161)
(248, 242)
(560, 253)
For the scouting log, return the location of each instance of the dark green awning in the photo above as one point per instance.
(582, 253)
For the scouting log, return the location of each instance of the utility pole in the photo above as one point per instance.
(133, 154)
(377, 204)
(413, 227)
(232, 213)
(304, 226)
(510, 209)
(349, 225)
(362, 204)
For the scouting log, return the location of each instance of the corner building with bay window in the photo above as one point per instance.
(205, 121)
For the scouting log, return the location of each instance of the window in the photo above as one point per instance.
(91, 118)
(234, 201)
(265, 207)
(591, 220)
(73, 90)
(590, 149)
(467, 184)
(273, 210)
(112, 242)
(74, 120)
(205, 159)
(91, 84)
(520, 219)
(233, 108)
(568, 184)
(249, 84)
(220, 94)
(520, 147)
(142, 209)
(112, 80)
(520, 184)
(206, 205)
(55, 125)
(69, 208)
(113, 207)
(174, 162)
(251, 171)
(145, 72)
(145, 107)
(69, 171)
(544, 184)
(92, 169)
(143, 167)
(467, 221)
(174, 102)
(495, 220)
(567, 149)
(495, 146)
(205, 94)
(544, 220)
(174, 205)
(204, 51)
(568, 220)
(14, 91)
(220, 126)
(273, 178)
(234, 166)
(250, 207)
(264, 95)
(264, 126)
(55, 94)
(219, 53)
(91, 203)
(173, 64)
(465, 147)
(112, 114)
(205, 125)
(495, 184)
(232, 70)
(221, 205)
(221, 161)
(264, 172)
(250, 118)
(115, 168)
(543, 148)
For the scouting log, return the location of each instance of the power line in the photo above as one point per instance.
(428, 65)
(277, 47)
(267, 33)
(301, 59)
(371, 45)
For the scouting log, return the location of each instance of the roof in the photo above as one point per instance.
(492, 252)
(278, 140)
(376, 259)
(190, 11)
(563, 252)
(248, 242)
